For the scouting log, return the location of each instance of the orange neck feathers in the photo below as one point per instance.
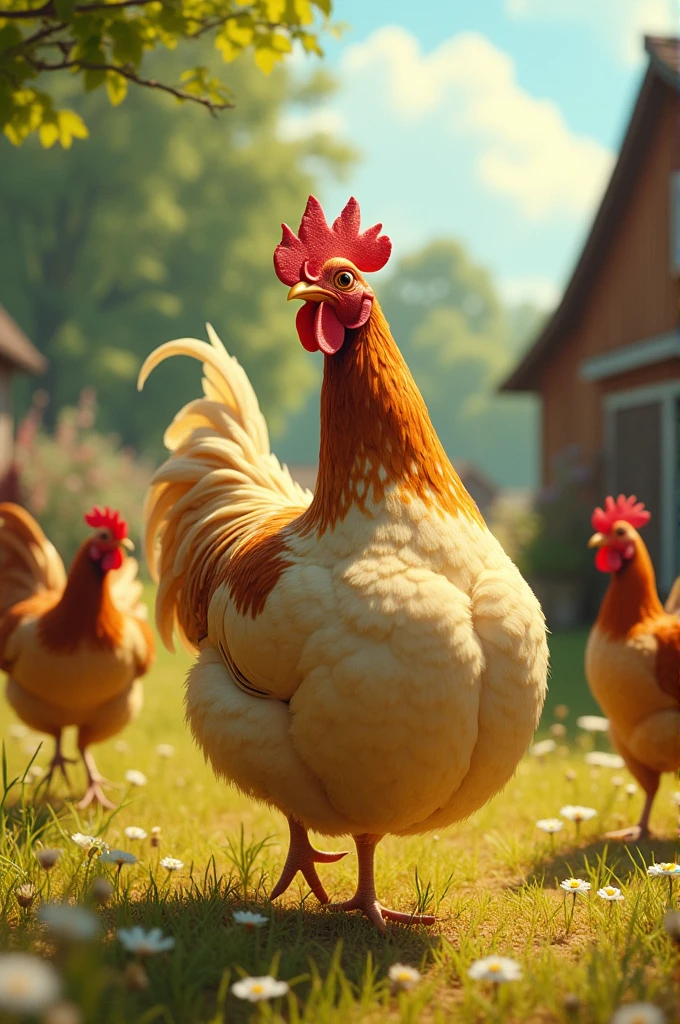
(376, 433)
(632, 597)
(85, 612)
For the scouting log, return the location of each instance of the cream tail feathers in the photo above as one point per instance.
(220, 483)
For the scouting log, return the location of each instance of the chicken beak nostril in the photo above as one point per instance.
(597, 540)
(305, 292)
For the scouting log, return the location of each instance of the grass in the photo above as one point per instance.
(494, 882)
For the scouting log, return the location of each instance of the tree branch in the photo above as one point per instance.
(48, 9)
(35, 12)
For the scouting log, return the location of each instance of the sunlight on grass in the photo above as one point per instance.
(494, 882)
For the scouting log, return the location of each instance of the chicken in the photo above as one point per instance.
(73, 646)
(633, 655)
(369, 659)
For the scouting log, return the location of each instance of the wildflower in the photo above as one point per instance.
(638, 1013)
(17, 731)
(550, 825)
(121, 746)
(558, 730)
(47, 858)
(135, 778)
(436, 838)
(118, 857)
(68, 922)
(63, 1013)
(577, 814)
(249, 919)
(134, 832)
(593, 723)
(570, 775)
(495, 969)
(25, 895)
(156, 836)
(101, 891)
(136, 940)
(543, 748)
(89, 843)
(631, 789)
(255, 990)
(575, 885)
(27, 983)
(561, 711)
(571, 1003)
(675, 797)
(611, 894)
(165, 750)
(617, 781)
(171, 864)
(663, 870)
(603, 760)
(36, 771)
(403, 977)
(136, 978)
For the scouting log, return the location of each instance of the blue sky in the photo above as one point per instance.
(494, 121)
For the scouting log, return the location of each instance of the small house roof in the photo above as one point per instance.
(16, 349)
(663, 71)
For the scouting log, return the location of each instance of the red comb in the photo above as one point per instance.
(303, 255)
(111, 520)
(630, 510)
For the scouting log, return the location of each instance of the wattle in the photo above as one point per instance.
(319, 328)
(608, 559)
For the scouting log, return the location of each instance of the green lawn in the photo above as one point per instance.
(493, 881)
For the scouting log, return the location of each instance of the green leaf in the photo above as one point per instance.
(128, 44)
(325, 6)
(274, 9)
(93, 79)
(116, 87)
(71, 126)
(266, 58)
(64, 9)
(48, 133)
(229, 49)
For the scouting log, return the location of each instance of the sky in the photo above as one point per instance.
(496, 122)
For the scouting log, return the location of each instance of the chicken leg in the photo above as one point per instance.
(58, 763)
(302, 857)
(365, 898)
(95, 781)
(649, 780)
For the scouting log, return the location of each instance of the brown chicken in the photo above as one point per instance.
(73, 646)
(633, 654)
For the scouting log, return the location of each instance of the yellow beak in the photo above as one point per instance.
(127, 543)
(597, 540)
(310, 293)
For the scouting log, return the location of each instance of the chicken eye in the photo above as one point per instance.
(343, 280)
(103, 535)
(620, 531)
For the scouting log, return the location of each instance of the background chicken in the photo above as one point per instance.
(73, 645)
(633, 654)
(370, 660)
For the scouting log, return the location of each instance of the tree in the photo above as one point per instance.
(161, 222)
(103, 43)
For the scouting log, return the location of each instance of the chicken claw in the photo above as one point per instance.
(632, 834)
(302, 857)
(95, 781)
(365, 898)
(58, 763)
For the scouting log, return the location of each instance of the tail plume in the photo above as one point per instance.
(219, 484)
(29, 563)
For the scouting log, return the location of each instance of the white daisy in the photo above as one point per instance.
(631, 789)
(668, 870)
(118, 857)
(403, 977)
(143, 943)
(675, 797)
(88, 843)
(611, 894)
(135, 778)
(543, 748)
(66, 921)
(601, 759)
(171, 864)
(617, 781)
(121, 746)
(156, 836)
(550, 825)
(17, 731)
(27, 983)
(495, 969)
(47, 858)
(570, 775)
(577, 814)
(638, 1013)
(249, 919)
(101, 891)
(575, 885)
(593, 723)
(255, 990)
(165, 750)
(134, 832)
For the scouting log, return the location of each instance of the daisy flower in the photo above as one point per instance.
(135, 778)
(89, 843)
(663, 870)
(495, 969)
(165, 750)
(171, 864)
(101, 891)
(134, 832)
(578, 814)
(136, 940)
(47, 858)
(25, 895)
(631, 789)
(559, 730)
(403, 977)
(17, 731)
(156, 835)
(543, 748)
(118, 857)
(249, 919)
(617, 781)
(255, 990)
(611, 894)
(575, 885)
(27, 983)
(638, 1013)
(65, 921)
(601, 759)
(593, 723)
(550, 825)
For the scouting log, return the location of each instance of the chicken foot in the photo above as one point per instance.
(58, 763)
(649, 780)
(366, 899)
(302, 857)
(95, 781)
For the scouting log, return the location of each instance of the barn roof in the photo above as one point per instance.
(16, 349)
(663, 71)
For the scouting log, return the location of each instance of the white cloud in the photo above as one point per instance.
(293, 126)
(523, 147)
(623, 23)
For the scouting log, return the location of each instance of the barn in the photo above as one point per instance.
(17, 355)
(606, 366)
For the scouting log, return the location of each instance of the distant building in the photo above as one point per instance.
(607, 364)
(17, 355)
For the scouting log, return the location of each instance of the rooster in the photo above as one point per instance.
(633, 654)
(369, 659)
(73, 646)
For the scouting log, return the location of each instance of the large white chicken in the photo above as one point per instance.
(370, 660)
